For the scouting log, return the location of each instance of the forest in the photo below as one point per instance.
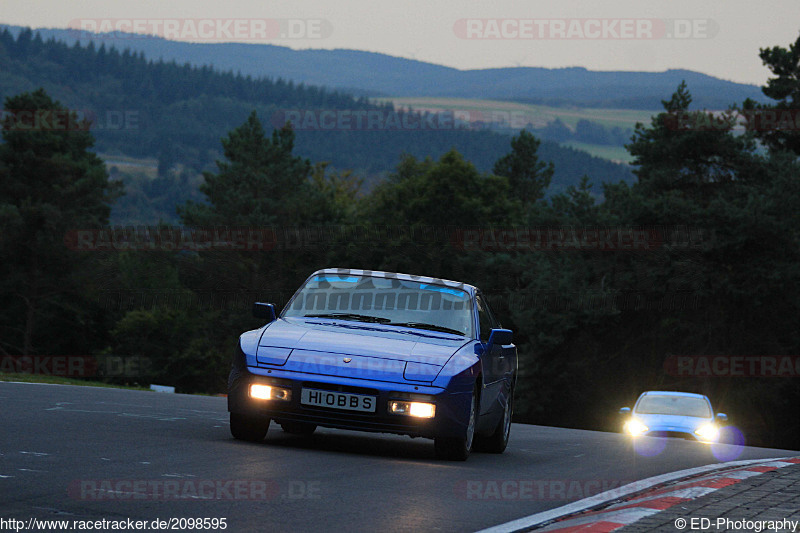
(177, 114)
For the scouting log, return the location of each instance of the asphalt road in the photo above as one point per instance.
(81, 453)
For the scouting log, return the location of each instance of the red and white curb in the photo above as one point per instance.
(641, 498)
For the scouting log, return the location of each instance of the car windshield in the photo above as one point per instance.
(662, 404)
(384, 300)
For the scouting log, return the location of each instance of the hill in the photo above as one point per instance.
(374, 74)
(178, 114)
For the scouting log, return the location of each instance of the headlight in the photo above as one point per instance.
(416, 409)
(708, 432)
(634, 427)
(270, 392)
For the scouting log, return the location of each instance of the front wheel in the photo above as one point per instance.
(497, 441)
(248, 428)
(458, 448)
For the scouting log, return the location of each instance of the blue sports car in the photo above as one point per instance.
(382, 352)
(673, 414)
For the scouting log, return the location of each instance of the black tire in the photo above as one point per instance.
(458, 448)
(248, 428)
(498, 440)
(298, 428)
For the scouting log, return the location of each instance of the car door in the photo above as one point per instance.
(500, 363)
(494, 358)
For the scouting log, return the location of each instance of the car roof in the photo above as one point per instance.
(672, 393)
(470, 289)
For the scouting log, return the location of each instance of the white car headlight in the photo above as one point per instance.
(634, 427)
(708, 432)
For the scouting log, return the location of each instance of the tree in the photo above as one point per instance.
(576, 204)
(49, 183)
(527, 176)
(778, 125)
(557, 131)
(690, 155)
(695, 172)
(416, 192)
(340, 191)
(426, 204)
(259, 184)
(262, 186)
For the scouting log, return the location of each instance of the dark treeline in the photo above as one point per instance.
(701, 256)
(585, 131)
(178, 113)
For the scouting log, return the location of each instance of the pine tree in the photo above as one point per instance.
(50, 183)
(260, 183)
(778, 125)
(528, 176)
(691, 154)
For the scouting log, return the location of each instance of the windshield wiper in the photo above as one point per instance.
(423, 325)
(352, 316)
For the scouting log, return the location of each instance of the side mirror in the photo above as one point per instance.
(625, 411)
(722, 417)
(265, 311)
(501, 337)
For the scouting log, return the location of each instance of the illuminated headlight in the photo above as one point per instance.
(708, 432)
(416, 409)
(634, 427)
(270, 392)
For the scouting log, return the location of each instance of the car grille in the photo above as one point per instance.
(333, 387)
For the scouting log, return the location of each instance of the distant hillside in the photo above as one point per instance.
(373, 74)
(179, 113)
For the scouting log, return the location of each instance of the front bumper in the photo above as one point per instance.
(677, 433)
(450, 420)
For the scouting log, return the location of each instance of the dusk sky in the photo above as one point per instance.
(717, 37)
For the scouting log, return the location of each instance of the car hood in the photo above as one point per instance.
(374, 351)
(684, 424)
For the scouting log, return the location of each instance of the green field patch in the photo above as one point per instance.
(147, 166)
(617, 154)
(521, 114)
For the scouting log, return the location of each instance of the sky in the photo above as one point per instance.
(717, 37)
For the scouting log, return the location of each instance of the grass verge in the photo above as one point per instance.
(61, 380)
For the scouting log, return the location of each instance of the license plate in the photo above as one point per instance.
(338, 400)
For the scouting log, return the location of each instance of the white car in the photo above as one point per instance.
(673, 414)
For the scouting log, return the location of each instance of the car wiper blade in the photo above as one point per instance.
(351, 316)
(423, 325)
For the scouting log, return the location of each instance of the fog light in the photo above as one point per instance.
(269, 392)
(415, 409)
